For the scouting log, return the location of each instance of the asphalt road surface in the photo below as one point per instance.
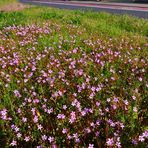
(138, 10)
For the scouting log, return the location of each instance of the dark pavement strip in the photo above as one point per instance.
(141, 12)
(134, 6)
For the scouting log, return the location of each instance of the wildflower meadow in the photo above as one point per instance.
(63, 85)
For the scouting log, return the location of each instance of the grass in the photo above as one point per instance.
(102, 23)
(63, 69)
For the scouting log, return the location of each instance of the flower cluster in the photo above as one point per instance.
(60, 88)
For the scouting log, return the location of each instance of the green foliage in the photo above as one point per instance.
(13, 18)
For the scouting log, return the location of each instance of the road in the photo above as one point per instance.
(138, 10)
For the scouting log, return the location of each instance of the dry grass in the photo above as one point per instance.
(12, 6)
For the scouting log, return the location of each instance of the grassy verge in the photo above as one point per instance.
(102, 23)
